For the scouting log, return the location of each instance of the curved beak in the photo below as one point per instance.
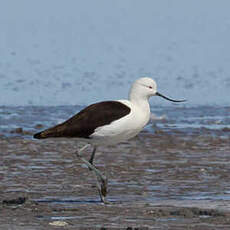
(169, 99)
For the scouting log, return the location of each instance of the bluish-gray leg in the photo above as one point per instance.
(102, 181)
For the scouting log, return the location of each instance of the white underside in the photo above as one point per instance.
(122, 129)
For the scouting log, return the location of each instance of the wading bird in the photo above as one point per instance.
(108, 123)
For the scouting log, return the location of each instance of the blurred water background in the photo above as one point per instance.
(73, 53)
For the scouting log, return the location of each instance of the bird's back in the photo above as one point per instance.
(83, 124)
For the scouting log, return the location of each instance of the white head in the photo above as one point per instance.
(144, 88)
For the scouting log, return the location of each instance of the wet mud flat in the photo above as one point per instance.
(160, 181)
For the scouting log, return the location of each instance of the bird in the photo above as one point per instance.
(108, 123)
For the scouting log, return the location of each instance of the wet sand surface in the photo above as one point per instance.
(160, 181)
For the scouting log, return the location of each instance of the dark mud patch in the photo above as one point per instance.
(15, 201)
(21, 131)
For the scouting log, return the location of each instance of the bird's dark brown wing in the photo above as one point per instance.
(84, 123)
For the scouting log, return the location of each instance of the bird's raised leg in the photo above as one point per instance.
(92, 157)
(102, 181)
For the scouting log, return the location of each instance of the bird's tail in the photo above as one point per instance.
(38, 135)
(44, 134)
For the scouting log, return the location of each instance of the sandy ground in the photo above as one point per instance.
(156, 181)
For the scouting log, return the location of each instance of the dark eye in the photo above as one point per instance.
(150, 87)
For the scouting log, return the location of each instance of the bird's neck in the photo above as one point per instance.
(140, 99)
(141, 102)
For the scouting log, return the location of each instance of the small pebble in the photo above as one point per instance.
(226, 129)
(58, 223)
(17, 130)
(39, 126)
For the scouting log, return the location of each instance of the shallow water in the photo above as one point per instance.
(159, 179)
(210, 120)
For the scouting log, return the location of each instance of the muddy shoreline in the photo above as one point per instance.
(160, 181)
